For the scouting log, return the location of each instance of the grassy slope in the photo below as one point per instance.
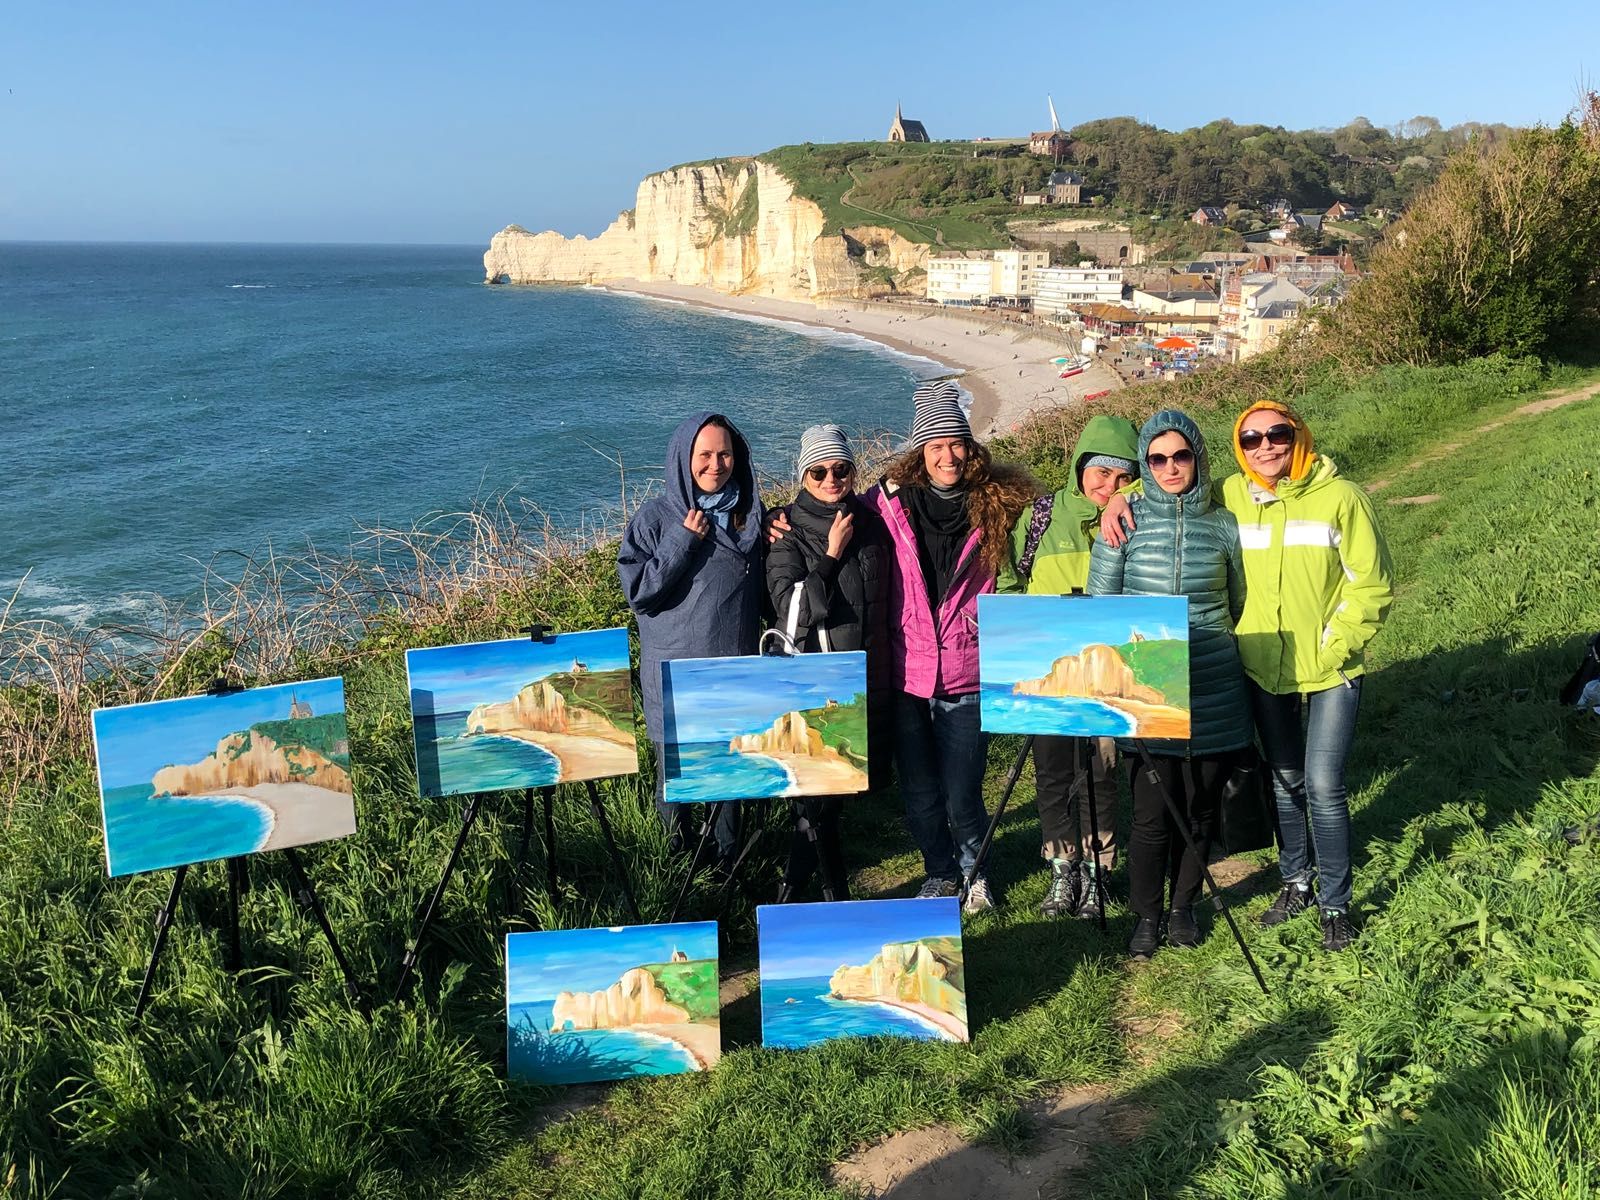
(691, 985)
(607, 693)
(844, 728)
(1163, 665)
(324, 734)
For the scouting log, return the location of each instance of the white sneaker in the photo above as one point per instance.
(937, 889)
(979, 897)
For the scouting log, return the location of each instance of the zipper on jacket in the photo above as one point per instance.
(1177, 590)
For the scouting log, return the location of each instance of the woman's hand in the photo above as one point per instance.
(839, 533)
(777, 524)
(697, 523)
(1118, 513)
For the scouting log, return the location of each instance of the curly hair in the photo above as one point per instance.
(996, 495)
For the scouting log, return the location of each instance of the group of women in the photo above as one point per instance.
(1286, 574)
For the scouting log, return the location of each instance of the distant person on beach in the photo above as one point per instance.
(690, 564)
(1050, 546)
(949, 510)
(1183, 545)
(828, 581)
(1319, 584)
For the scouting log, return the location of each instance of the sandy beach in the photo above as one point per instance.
(949, 1026)
(301, 812)
(1006, 367)
(1154, 720)
(702, 1039)
(831, 776)
(582, 757)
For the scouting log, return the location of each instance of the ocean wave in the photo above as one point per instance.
(251, 286)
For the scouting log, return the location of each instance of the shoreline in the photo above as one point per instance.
(943, 1023)
(700, 1041)
(1151, 720)
(301, 814)
(577, 757)
(809, 776)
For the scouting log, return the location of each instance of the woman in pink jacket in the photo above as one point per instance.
(949, 510)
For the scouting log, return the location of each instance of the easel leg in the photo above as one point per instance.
(617, 864)
(307, 895)
(712, 811)
(164, 917)
(549, 795)
(994, 821)
(726, 892)
(1094, 830)
(1205, 871)
(410, 959)
(235, 870)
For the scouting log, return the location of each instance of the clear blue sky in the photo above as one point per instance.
(456, 678)
(802, 941)
(426, 122)
(538, 965)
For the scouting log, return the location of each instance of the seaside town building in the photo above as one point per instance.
(1006, 276)
(906, 130)
(1061, 290)
(1065, 187)
(1053, 141)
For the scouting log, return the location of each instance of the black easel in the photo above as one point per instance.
(238, 884)
(994, 822)
(1097, 873)
(536, 633)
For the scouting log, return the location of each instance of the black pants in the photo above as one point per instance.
(1157, 853)
(821, 815)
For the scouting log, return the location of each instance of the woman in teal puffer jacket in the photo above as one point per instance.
(1183, 545)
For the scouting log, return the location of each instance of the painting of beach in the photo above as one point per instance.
(1084, 666)
(589, 1004)
(488, 716)
(186, 781)
(749, 728)
(861, 968)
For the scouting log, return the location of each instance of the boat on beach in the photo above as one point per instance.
(1074, 366)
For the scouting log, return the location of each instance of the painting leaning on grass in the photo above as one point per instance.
(1084, 666)
(205, 777)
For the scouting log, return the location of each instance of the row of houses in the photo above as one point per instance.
(1281, 211)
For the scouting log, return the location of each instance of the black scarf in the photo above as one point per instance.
(941, 526)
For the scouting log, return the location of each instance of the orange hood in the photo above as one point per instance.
(1300, 456)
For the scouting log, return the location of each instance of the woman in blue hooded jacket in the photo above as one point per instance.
(691, 570)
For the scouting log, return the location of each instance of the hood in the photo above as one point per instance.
(1170, 420)
(680, 484)
(1300, 456)
(1103, 434)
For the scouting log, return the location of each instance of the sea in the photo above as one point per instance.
(146, 833)
(796, 1013)
(535, 1055)
(1004, 711)
(710, 771)
(450, 763)
(169, 408)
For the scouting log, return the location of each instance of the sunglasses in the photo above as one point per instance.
(839, 471)
(1178, 458)
(1278, 435)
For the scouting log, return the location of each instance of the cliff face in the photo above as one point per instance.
(635, 999)
(247, 759)
(789, 735)
(735, 226)
(1098, 671)
(928, 971)
(540, 708)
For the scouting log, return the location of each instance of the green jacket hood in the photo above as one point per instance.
(1170, 420)
(1103, 434)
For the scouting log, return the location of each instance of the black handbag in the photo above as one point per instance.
(1247, 815)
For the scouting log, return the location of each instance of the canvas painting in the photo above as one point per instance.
(589, 1004)
(488, 716)
(749, 728)
(185, 781)
(861, 968)
(1084, 666)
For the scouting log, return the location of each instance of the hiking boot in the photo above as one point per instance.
(1181, 929)
(1336, 931)
(1146, 937)
(1089, 904)
(1293, 899)
(934, 888)
(1065, 888)
(979, 897)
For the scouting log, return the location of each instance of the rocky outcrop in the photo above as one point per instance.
(790, 734)
(1097, 672)
(540, 708)
(246, 759)
(635, 999)
(927, 972)
(734, 225)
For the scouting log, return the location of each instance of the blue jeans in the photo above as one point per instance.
(939, 754)
(1308, 775)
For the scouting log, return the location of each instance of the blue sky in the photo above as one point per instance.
(712, 699)
(802, 941)
(424, 122)
(1010, 645)
(538, 965)
(133, 743)
(454, 678)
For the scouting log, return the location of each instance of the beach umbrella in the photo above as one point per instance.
(1175, 343)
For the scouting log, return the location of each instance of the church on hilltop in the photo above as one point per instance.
(906, 130)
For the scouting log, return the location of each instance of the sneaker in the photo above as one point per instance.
(1089, 904)
(934, 888)
(1293, 899)
(1181, 929)
(1336, 931)
(1146, 937)
(979, 897)
(1066, 886)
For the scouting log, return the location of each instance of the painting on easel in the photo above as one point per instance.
(205, 777)
(516, 713)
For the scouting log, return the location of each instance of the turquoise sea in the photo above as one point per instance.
(535, 1055)
(168, 407)
(796, 1013)
(449, 762)
(1003, 711)
(710, 771)
(145, 833)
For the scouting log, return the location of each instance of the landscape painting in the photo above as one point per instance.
(186, 781)
(861, 968)
(1084, 666)
(584, 1005)
(750, 728)
(488, 716)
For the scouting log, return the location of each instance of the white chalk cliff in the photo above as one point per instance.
(734, 225)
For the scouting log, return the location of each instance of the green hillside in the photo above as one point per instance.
(844, 727)
(1162, 664)
(691, 985)
(608, 693)
(325, 734)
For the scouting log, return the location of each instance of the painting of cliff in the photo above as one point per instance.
(861, 968)
(488, 716)
(589, 1004)
(748, 728)
(186, 781)
(1084, 666)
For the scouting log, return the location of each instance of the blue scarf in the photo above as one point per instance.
(719, 504)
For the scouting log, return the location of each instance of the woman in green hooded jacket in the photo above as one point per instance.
(1182, 545)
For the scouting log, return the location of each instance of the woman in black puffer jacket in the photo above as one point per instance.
(1183, 545)
(828, 580)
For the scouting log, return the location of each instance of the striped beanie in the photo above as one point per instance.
(823, 443)
(937, 413)
(1113, 462)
